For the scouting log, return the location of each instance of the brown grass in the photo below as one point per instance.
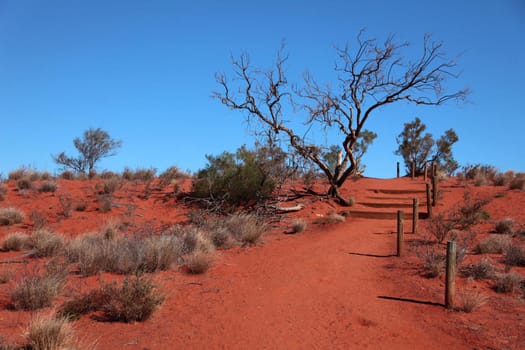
(11, 216)
(470, 301)
(3, 191)
(299, 226)
(493, 244)
(514, 255)
(508, 283)
(48, 186)
(46, 332)
(330, 219)
(245, 228)
(46, 243)
(16, 241)
(483, 269)
(199, 262)
(35, 291)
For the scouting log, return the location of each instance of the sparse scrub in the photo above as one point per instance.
(219, 236)
(46, 243)
(111, 185)
(66, 204)
(493, 244)
(106, 203)
(171, 175)
(3, 191)
(17, 174)
(81, 205)
(38, 218)
(245, 228)
(514, 255)
(299, 226)
(470, 301)
(36, 291)
(508, 283)
(67, 175)
(10, 216)
(48, 186)
(470, 212)
(433, 261)
(46, 332)
(518, 182)
(16, 241)
(439, 227)
(199, 262)
(505, 226)
(483, 269)
(24, 183)
(135, 300)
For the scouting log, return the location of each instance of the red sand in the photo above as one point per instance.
(335, 286)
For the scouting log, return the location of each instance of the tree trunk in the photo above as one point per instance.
(333, 192)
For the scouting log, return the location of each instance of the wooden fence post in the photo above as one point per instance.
(398, 170)
(429, 201)
(400, 238)
(415, 214)
(450, 287)
(413, 170)
(425, 174)
(435, 190)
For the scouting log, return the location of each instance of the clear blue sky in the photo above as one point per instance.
(144, 71)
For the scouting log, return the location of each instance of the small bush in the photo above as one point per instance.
(38, 218)
(518, 182)
(3, 191)
(514, 255)
(46, 243)
(219, 236)
(171, 175)
(199, 262)
(469, 301)
(439, 227)
(508, 282)
(111, 185)
(10, 216)
(66, 204)
(299, 226)
(505, 226)
(483, 269)
(24, 183)
(245, 228)
(494, 244)
(36, 291)
(81, 205)
(433, 262)
(67, 175)
(470, 212)
(48, 333)
(48, 186)
(106, 174)
(106, 203)
(135, 300)
(18, 174)
(16, 241)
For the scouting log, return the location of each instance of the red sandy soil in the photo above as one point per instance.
(333, 286)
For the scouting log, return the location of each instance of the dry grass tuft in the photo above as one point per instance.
(299, 226)
(493, 244)
(11, 216)
(46, 332)
(470, 301)
(508, 283)
(434, 261)
(483, 269)
(35, 291)
(505, 226)
(330, 219)
(46, 243)
(245, 228)
(48, 186)
(3, 191)
(16, 241)
(514, 255)
(199, 262)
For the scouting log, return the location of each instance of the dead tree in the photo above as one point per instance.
(371, 76)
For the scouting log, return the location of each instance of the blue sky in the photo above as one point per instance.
(144, 71)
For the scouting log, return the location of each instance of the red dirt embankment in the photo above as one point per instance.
(335, 286)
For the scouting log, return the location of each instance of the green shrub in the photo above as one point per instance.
(233, 178)
(10, 216)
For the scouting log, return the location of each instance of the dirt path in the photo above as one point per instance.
(331, 287)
